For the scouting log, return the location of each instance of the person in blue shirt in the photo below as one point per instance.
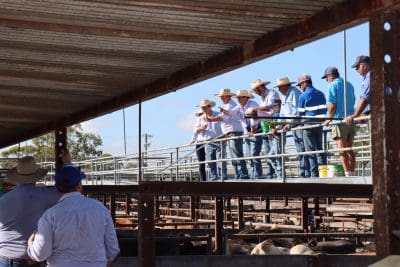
(341, 104)
(312, 103)
(362, 67)
(20, 210)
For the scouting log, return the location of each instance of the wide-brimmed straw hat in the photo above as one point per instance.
(283, 81)
(26, 172)
(244, 93)
(206, 102)
(225, 92)
(258, 83)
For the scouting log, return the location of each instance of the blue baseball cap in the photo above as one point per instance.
(68, 177)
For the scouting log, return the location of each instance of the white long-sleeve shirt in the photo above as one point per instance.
(77, 231)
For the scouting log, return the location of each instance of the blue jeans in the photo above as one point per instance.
(221, 154)
(236, 151)
(313, 142)
(303, 160)
(270, 172)
(201, 156)
(254, 145)
(10, 263)
(275, 148)
(212, 149)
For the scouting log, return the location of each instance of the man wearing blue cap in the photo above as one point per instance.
(362, 67)
(341, 104)
(77, 231)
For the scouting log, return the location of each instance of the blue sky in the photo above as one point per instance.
(169, 118)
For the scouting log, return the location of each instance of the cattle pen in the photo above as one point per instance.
(65, 62)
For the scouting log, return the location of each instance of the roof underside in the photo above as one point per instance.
(65, 61)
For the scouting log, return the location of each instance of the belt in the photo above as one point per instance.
(20, 261)
(230, 134)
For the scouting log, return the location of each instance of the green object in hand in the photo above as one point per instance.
(265, 126)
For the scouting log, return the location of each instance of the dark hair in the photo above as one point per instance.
(65, 188)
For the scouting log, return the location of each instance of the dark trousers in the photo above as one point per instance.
(201, 156)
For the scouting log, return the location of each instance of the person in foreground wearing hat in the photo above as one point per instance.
(210, 131)
(340, 107)
(77, 231)
(362, 67)
(20, 210)
(269, 106)
(231, 126)
(289, 96)
(252, 126)
(200, 148)
(312, 103)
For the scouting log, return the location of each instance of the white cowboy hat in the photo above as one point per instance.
(225, 92)
(206, 102)
(258, 83)
(26, 172)
(244, 93)
(283, 81)
(199, 112)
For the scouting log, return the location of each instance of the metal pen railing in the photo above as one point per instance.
(180, 163)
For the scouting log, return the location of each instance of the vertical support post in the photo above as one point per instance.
(317, 221)
(177, 164)
(282, 144)
(385, 108)
(140, 144)
(146, 231)
(268, 209)
(112, 206)
(219, 224)
(228, 209)
(60, 144)
(193, 208)
(304, 214)
(240, 213)
(128, 201)
(157, 206)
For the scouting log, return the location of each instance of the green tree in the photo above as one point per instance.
(80, 144)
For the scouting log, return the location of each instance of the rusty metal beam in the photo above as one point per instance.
(254, 189)
(219, 225)
(323, 23)
(385, 104)
(240, 215)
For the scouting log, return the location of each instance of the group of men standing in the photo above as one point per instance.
(288, 106)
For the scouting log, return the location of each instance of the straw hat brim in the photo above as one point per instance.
(231, 94)
(211, 104)
(259, 84)
(249, 96)
(14, 177)
(290, 83)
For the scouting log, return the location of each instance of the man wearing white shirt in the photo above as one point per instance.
(269, 106)
(231, 126)
(77, 231)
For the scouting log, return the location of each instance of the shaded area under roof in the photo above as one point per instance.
(65, 61)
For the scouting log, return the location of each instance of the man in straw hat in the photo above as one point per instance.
(231, 126)
(340, 106)
(209, 131)
(252, 127)
(289, 96)
(20, 210)
(200, 148)
(269, 106)
(77, 231)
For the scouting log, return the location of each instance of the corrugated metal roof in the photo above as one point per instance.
(61, 60)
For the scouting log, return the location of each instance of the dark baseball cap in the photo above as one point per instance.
(361, 60)
(68, 177)
(330, 70)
